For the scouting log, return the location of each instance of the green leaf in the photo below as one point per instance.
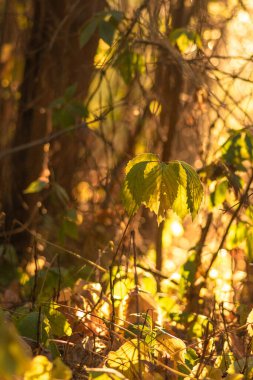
(117, 15)
(60, 193)
(127, 356)
(106, 31)
(160, 187)
(36, 186)
(58, 325)
(88, 31)
(9, 253)
(29, 325)
(129, 64)
(180, 205)
(184, 38)
(219, 195)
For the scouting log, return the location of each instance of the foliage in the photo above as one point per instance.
(160, 187)
(90, 286)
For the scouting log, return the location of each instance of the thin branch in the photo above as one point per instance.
(51, 137)
(233, 217)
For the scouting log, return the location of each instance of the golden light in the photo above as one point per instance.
(80, 314)
(166, 239)
(155, 107)
(32, 267)
(176, 228)
(83, 192)
(243, 17)
(226, 288)
(175, 277)
(79, 220)
(213, 273)
(170, 265)
(223, 253)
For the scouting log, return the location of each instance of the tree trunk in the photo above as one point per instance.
(53, 62)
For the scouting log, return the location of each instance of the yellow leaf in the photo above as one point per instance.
(173, 346)
(60, 371)
(250, 323)
(205, 372)
(40, 369)
(127, 355)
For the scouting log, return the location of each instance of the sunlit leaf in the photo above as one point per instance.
(160, 186)
(58, 325)
(194, 189)
(127, 355)
(173, 346)
(36, 186)
(184, 39)
(219, 195)
(42, 369)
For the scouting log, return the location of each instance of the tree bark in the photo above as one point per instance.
(53, 62)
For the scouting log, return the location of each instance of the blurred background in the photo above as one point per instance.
(85, 86)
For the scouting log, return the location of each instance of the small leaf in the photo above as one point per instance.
(106, 31)
(219, 195)
(36, 186)
(117, 15)
(173, 346)
(184, 38)
(42, 369)
(127, 355)
(58, 325)
(88, 31)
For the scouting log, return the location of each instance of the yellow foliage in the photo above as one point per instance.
(14, 352)
(42, 369)
(172, 345)
(250, 323)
